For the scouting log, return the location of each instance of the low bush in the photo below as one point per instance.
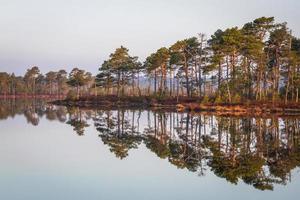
(71, 95)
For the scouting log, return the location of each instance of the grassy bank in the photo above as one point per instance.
(183, 104)
(243, 109)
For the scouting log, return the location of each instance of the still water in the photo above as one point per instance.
(59, 153)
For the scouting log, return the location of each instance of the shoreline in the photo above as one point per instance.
(40, 96)
(254, 109)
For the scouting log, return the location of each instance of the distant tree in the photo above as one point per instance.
(185, 52)
(278, 49)
(61, 80)
(104, 79)
(216, 60)
(118, 70)
(51, 78)
(158, 62)
(79, 78)
(4, 83)
(30, 79)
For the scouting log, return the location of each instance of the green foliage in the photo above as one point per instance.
(78, 78)
(158, 63)
(296, 45)
(183, 53)
(120, 70)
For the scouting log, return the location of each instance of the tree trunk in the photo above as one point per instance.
(287, 85)
(133, 83)
(77, 91)
(155, 81)
(170, 82)
(187, 77)
(118, 87)
(219, 75)
(227, 81)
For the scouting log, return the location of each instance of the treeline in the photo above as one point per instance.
(53, 83)
(260, 61)
(257, 62)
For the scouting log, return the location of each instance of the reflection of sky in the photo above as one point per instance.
(51, 162)
(82, 33)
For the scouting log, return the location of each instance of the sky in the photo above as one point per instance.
(56, 34)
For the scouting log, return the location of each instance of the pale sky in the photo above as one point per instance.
(54, 34)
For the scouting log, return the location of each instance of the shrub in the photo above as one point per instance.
(205, 99)
(218, 99)
(236, 98)
(71, 95)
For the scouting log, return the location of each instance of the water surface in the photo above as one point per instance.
(51, 152)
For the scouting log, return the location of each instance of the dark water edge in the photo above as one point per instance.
(254, 109)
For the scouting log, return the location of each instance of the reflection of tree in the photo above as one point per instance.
(261, 152)
(176, 146)
(156, 146)
(61, 114)
(184, 156)
(156, 137)
(253, 150)
(76, 120)
(246, 166)
(51, 114)
(32, 109)
(117, 132)
(32, 117)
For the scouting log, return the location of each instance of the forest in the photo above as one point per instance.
(259, 61)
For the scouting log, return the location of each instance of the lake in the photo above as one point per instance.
(54, 152)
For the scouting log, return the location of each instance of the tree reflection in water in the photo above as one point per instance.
(117, 132)
(259, 151)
